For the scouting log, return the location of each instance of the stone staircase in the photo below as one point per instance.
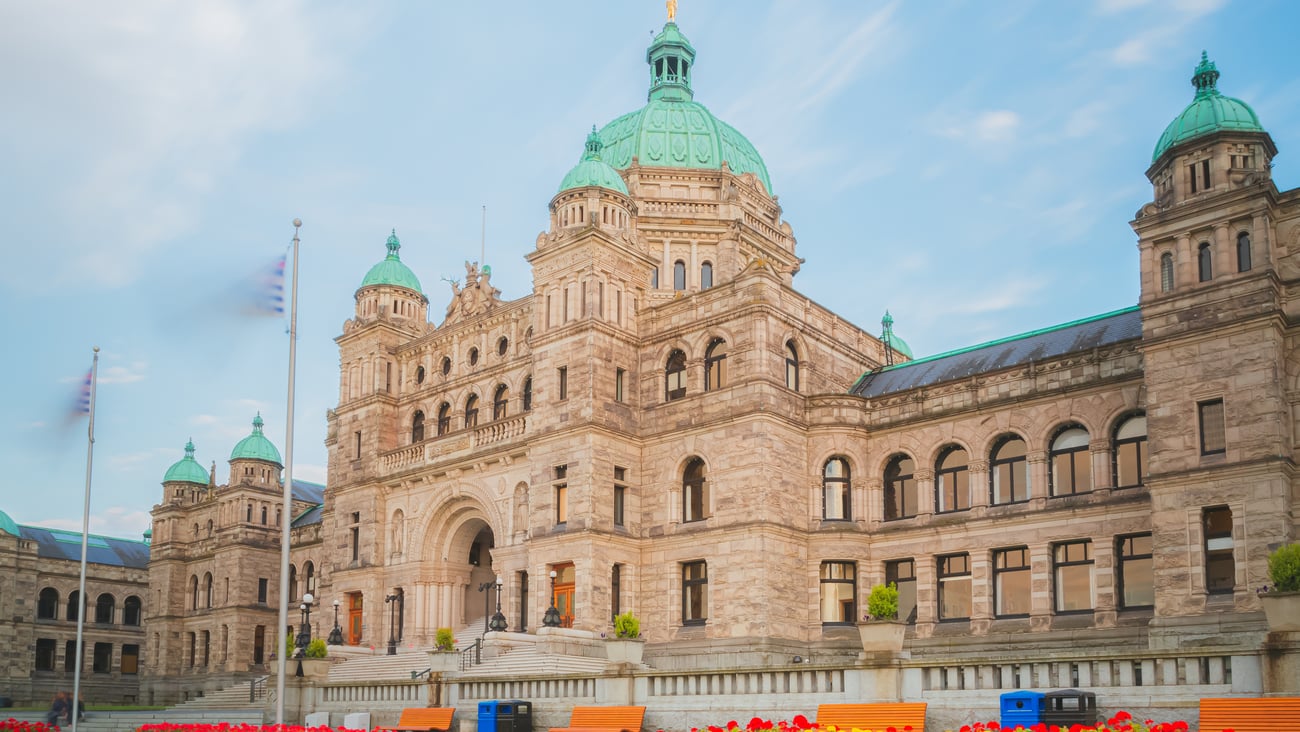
(527, 660)
(365, 664)
(231, 698)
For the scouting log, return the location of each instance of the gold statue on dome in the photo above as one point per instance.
(672, 9)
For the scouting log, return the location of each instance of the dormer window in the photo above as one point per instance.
(1199, 173)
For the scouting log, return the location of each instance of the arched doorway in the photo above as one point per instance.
(481, 591)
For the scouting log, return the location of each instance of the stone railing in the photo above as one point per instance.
(394, 694)
(500, 430)
(399, 459)
(571, 689)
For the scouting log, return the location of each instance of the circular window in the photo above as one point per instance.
(419, 374)
(502, 346)
(473, 356)
(446, 365)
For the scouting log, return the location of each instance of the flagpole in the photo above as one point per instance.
(288, 489)
(85, 541)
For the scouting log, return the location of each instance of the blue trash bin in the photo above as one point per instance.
(487, 716)
(1024, 708)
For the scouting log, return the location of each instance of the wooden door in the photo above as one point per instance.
(565, 582)
(354, 618)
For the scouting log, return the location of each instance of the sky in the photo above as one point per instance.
(970, 166)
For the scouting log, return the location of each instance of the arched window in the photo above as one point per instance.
(675, 376)
(952, 480)
(1204, 265)
(528, 395)
(105, 605)
(706, 275)
(131, 611)
(1071, 462)
(446, 365)
(417, 426)
(248, 514)
(791, 366)
(1243, 252)
(444, 419)
(47, 604)
(695, 492)
(715, 365)
(1166, 272)
(419, 374)
(207, 589)
(901, 496)
(471, 411)
(679, 275)
(473, 356)
(654, 278)
(1008, 471)
(293, 581)
(499, 401)
(309, 573)
(836, 490)
(503, 345)
(1129, 453)
(263, 515)
(209, 527)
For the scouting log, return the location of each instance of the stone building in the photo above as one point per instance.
(39, 603)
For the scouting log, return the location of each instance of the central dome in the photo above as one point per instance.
(672, 129)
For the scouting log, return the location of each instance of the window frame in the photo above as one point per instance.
(417, 426)
(47, 650)
(562, 383)
(1204, 262)
(715, 365)
(1220, 545)
(679, 276)
(945, 573)
(1208, 408)
(1079, 460)
(791, 366)
(1167, 272)
(1125, 556)
(47, 604)
(696, 588)
(848, 571)
(956, 472)
(1002, 568)
(444, 419)
(894, 574)
(675, 375)
(1244, 259)
(471, 411)
(695, 493)
(500, 402)
(706, 275)
(1064, 563)
(527, 397)
(839, 487)
(995, 461)
(891, 483)
(1117, 445)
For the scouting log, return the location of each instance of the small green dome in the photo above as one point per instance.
(672, 130)
(256, 446)
(187, 469)
(888, 335)
(391, 271)
(7, 524)
(592, 171)
(1209, 112)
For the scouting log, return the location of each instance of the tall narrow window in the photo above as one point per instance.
(356, 449)
(1204, 262)
(695, 593)
(561, 503)
(207, 590)
(471, 411)
(836, 490)
(902, 574)
(654, 278)
(473, 356)
(1009, 471)
(679, 275)
(715, 365)
(105, 604)
(355, 533)
(309, 573)
(1072, 576)
(1220, 567)
(46, 649)
(130, 663)
(1071, 462)
(839, 592)
(952, 480)
(954, 587)
(102, 660)
(619, 376)
(47, 604)
(1166, 272)
(620, 504)
(500, 399)
(1210, 415)
(444, 419)
(901, 497)
(615, 591)
(1011, 582)
(527, 404)
(259, 644)
(263, 589)
(417, 426)
(1130, 452)
(706, 275)
(131, 611)
(675, 376)
(1136, 572)
(1243, 252)
(562, 382)
(791, 366)
(695, 492)
(72, 659)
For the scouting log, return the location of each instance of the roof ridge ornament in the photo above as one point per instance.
(672, 9)
(394, 244)
(1206, 77)
(594, 145)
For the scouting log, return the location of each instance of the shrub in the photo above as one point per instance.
(317, 649)
(882, 603)
(626, 626)
(1284, 568)
(443, 640)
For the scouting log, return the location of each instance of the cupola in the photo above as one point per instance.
(391, 290)
(592, 193)
(255, 459)
(187, 469)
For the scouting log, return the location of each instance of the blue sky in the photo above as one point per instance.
(971, 166)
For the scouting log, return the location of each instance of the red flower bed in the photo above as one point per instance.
(226, 727)
(13, 725)
(1121, 722)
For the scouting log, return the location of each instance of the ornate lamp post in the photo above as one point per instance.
(552, 617)
(304, 632)
(498, 622)
(336, 635)
(487, 604)
(391, 601)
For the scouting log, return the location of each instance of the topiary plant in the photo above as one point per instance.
(882, 603)
(443, 640)
(1284, 568)
(626, 625)
(317, 649)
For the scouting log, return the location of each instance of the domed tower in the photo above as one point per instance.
(592, 194)
(255, 461)
(391, 291)
(184, 476)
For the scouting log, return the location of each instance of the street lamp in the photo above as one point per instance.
(487, 604)
(304, 632)
(498, 623)
(552, 617)
(336, 635)
(391, 601)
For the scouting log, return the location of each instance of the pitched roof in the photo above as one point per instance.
(60, 544)
(308, 492)
(1017, 350)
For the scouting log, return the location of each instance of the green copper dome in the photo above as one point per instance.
(888, 335)
(256, 446)
(672, 130)
(7, 524)
(391, 271)
(592, 171)
(1209, 112)
(187, 469)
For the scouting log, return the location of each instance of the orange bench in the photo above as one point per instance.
(604, 719)
(423, 719)
(1250, 714)
(880, 716)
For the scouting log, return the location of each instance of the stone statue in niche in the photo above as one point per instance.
(478, 296)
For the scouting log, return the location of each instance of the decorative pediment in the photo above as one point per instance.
(478, 296)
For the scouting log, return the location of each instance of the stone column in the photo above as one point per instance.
(979, 483)
(1103, 579)
(1102, 476)
(925, 491)
(1184, 261)
(981, 615)
(1040, 587)
(927, 597)
(1224, 260)
(1039, 487)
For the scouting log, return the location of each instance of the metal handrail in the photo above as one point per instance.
(466, 661)
(417, 674)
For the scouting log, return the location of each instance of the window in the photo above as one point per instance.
(356, 535)
(706, 275)
(619, 377)
(74, 605)
(356, 453)
(500, 399)
(715, 365)
(71, 658)
(562, 377)
(900, 488)
(130, 663)
(561, 504)
(103, 658)
(503, 345)
(620, 495)
(1072, 576)
(1166, 272)
(1136, 572)
(444, 419)
(1011, 582)
(417, 427)
(695, 593)
(836, 490)
(446, 365)
(1071, 462)
(473, 356)
(309, 571)
(654, 278)
(1220, 568)
(293, 581)
(954, 587)
(1130, 451)
(1203, 168)
(839, 592)
(679, 275)
(47, 604)
(193, 638)
(952, 480)
(1243, 252)
(1009, 471)
(1204, 263)
(264, 515)
(615, 591)
(419, 374)
(259, 644)
(902, 574)
(131, 611)
(695, 492)
(1211, 419)
(46, 648)
(263, 585)
(791, 366)
(248, 514)
(675, 376)
(471, 411)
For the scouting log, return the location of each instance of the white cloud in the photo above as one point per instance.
(1005, 295)
(204, 420)
(1174, 15)
(123, 374)
(996, 125)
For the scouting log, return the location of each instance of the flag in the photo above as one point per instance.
(82, 407)
(265, 291)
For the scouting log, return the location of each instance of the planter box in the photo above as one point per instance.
(882, 636)
(1282, 610)
(624, 650)
(315, 669)
(443, 661)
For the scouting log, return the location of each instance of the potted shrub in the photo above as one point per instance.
(626, 646)
(880, 630)
(315, 661)
(443, 657)
(1281, 599)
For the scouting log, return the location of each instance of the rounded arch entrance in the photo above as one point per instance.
(460, 545)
